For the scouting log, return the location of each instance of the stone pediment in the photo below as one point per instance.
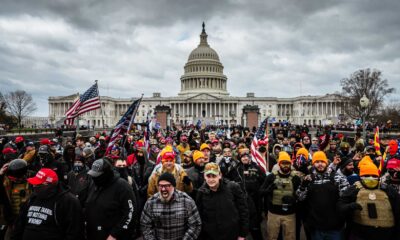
(203, 96)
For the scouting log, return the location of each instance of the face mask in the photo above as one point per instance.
(45, 158)
(78, 167)
(123, 172)
(227, 159)
(262, 149)
(103, 179)
(45, 191)
(370, 182)
(140, 159)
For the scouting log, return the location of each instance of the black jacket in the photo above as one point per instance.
(141, 174)
(80, 185)
(346, 207)
(196, 175)
(224, 213)
(56, 217)
(110, 210)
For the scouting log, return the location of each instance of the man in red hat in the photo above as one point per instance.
(52, 212)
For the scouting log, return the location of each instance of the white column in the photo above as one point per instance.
(223, 110)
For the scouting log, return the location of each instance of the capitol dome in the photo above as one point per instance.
(203, 71)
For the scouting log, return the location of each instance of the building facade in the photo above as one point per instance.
(203, 96)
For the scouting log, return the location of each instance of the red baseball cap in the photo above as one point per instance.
(168, 156)
(19, 139)
(44, 175)
(45, 141)
(393, 163)
(8, 150)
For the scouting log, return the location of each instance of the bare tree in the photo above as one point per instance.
(368, 83)
(19, 104)
(2, 104)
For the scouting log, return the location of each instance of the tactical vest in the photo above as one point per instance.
(284, 187)
(19, 195)
(380, 200)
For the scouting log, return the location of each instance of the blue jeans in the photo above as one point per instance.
(326, 235)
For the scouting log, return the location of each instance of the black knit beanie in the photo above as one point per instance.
(345, 161)
(167, 177)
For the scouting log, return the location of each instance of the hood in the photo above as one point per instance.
(275, 146)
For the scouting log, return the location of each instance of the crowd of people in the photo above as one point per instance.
(197, 182)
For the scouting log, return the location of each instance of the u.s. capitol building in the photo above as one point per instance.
(204, 96)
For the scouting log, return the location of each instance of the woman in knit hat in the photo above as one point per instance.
(374, 212)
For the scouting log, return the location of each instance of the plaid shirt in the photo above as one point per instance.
(176, 219)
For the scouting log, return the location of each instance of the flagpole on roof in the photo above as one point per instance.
(101, 105)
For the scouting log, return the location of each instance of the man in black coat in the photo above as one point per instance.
(222, 206)
(250, 177)
(52, 212)
(141, 171)
(110, 207)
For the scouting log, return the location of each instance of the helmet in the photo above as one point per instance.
(17, 168)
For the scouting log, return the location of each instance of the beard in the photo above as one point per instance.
(165, 196)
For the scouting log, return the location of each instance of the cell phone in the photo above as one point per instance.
(372, 213)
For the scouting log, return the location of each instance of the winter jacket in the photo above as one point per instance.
(224, 213)
(29, 155)
(80, 185)
(321, 196)
(110, 210)
(141, 174)
(179, 174)
(250, 178)
(57, 217)
(196, 175)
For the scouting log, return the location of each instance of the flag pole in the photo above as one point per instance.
(267, 135)
(77, 121)
(101, 105)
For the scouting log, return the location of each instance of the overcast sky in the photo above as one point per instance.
(282, 48)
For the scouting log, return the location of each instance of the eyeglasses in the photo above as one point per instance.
(164, 186)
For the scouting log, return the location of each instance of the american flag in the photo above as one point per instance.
(261, 134)
(124, 124)
(88, 101)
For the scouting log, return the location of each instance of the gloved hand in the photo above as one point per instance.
(355, 206)
(186, 180)
(306, 181)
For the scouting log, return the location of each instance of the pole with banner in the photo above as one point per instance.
(101, 105)
(131, 121)
(77, 121)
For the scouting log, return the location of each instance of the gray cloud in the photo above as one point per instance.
(273, 48)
